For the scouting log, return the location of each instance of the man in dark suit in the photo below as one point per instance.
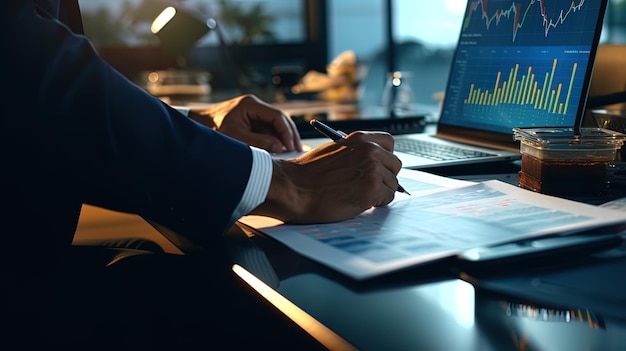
(75, 131)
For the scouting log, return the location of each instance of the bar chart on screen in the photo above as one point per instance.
(534, 90)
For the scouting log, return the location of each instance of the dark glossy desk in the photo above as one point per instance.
(446, 305)
(443, 307)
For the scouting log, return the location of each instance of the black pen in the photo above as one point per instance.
(336, 135)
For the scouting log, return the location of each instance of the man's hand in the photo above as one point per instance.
(254, 122)
(335, 181)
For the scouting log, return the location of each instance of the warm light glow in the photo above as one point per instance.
(319, 331)
(162, 19)
(153, 77)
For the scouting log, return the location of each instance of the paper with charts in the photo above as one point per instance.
(442, 217)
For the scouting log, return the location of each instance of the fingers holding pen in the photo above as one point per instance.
(381, 144)
(341, 179)
(379, 163)
(386, 141)
(383, 139)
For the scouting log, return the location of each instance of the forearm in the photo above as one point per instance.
(81, 120)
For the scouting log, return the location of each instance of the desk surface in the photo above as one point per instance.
(440, 307)
(558, 303)
(443, 307)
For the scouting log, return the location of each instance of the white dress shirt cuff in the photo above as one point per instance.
(258, 183)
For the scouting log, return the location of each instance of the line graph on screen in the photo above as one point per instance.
(519, 15)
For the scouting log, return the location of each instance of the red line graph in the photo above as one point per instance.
(519, 16)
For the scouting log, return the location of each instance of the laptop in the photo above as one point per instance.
(516, 64)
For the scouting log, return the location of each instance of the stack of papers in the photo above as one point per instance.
(443, 217)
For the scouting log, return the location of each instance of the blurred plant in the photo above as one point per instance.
(104, 28)
(250, 25)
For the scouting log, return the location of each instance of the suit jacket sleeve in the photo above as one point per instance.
(77, 123)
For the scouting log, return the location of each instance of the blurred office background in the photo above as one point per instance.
(256, 38)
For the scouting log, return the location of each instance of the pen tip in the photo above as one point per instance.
(402, 190)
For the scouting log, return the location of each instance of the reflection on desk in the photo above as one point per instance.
(432, 308)
(530, 326)
(575, 302)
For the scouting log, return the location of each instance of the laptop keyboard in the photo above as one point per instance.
(435, 151)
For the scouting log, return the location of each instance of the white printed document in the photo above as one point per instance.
(442, 217)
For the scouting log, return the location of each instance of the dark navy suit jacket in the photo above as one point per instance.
(75, 131)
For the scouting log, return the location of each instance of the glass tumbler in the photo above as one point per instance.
(398, 93)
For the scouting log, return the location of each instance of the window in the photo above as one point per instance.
(127, 22)
(424, 35)
(305, 34)
(251, 35)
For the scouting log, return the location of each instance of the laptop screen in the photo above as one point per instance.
(522, 64)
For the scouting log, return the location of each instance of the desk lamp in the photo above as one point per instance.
(178, 31)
